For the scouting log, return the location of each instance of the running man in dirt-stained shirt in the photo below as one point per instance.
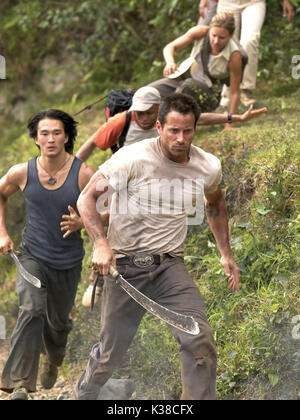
(157, 184)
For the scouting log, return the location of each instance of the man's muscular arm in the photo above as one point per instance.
(218, 222)
(10, 183)
(103, 256)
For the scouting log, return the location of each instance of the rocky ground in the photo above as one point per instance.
(61, 391)
(114, 389)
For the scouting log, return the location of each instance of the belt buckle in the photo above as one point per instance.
(143, 260)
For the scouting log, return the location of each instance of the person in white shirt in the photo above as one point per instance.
(249, 16)
(167, 182)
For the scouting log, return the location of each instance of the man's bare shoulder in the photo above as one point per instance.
(14, 179)
(17, 174)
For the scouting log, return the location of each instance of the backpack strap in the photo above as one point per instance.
(205, 52)
(122, 137)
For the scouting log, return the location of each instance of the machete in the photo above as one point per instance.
(24, 273)
(182, 322)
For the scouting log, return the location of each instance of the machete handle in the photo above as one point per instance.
(113, 272)
(11, 251)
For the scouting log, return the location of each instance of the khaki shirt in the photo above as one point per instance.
(155, 198)
(218, 65)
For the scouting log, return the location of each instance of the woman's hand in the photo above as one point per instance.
(170, 68)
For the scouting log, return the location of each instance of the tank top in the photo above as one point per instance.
(42, 235)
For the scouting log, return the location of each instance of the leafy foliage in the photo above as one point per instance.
(279, 45)
(119, 40)
(113, 37)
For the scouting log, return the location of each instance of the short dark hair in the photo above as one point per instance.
(70, 125)
(180, 102)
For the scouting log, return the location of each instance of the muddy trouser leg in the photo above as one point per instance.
(21, 368)
(177, 291)
(170, 285)
(120, 318)
(61, 292)
(43, 322)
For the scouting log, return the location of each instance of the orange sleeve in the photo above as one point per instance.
(108, 134)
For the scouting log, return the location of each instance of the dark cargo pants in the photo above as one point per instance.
(170, 285)
(43, 322)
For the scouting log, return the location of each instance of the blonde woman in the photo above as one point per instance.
(215, 59)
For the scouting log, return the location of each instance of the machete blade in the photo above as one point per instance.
(184, 323)
(24, 273)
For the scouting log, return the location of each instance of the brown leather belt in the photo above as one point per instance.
(143, 260)
(139, 260)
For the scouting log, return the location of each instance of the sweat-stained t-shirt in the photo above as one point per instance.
(155, 198)
(108, 134)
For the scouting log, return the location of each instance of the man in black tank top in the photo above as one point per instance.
(51, 250)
